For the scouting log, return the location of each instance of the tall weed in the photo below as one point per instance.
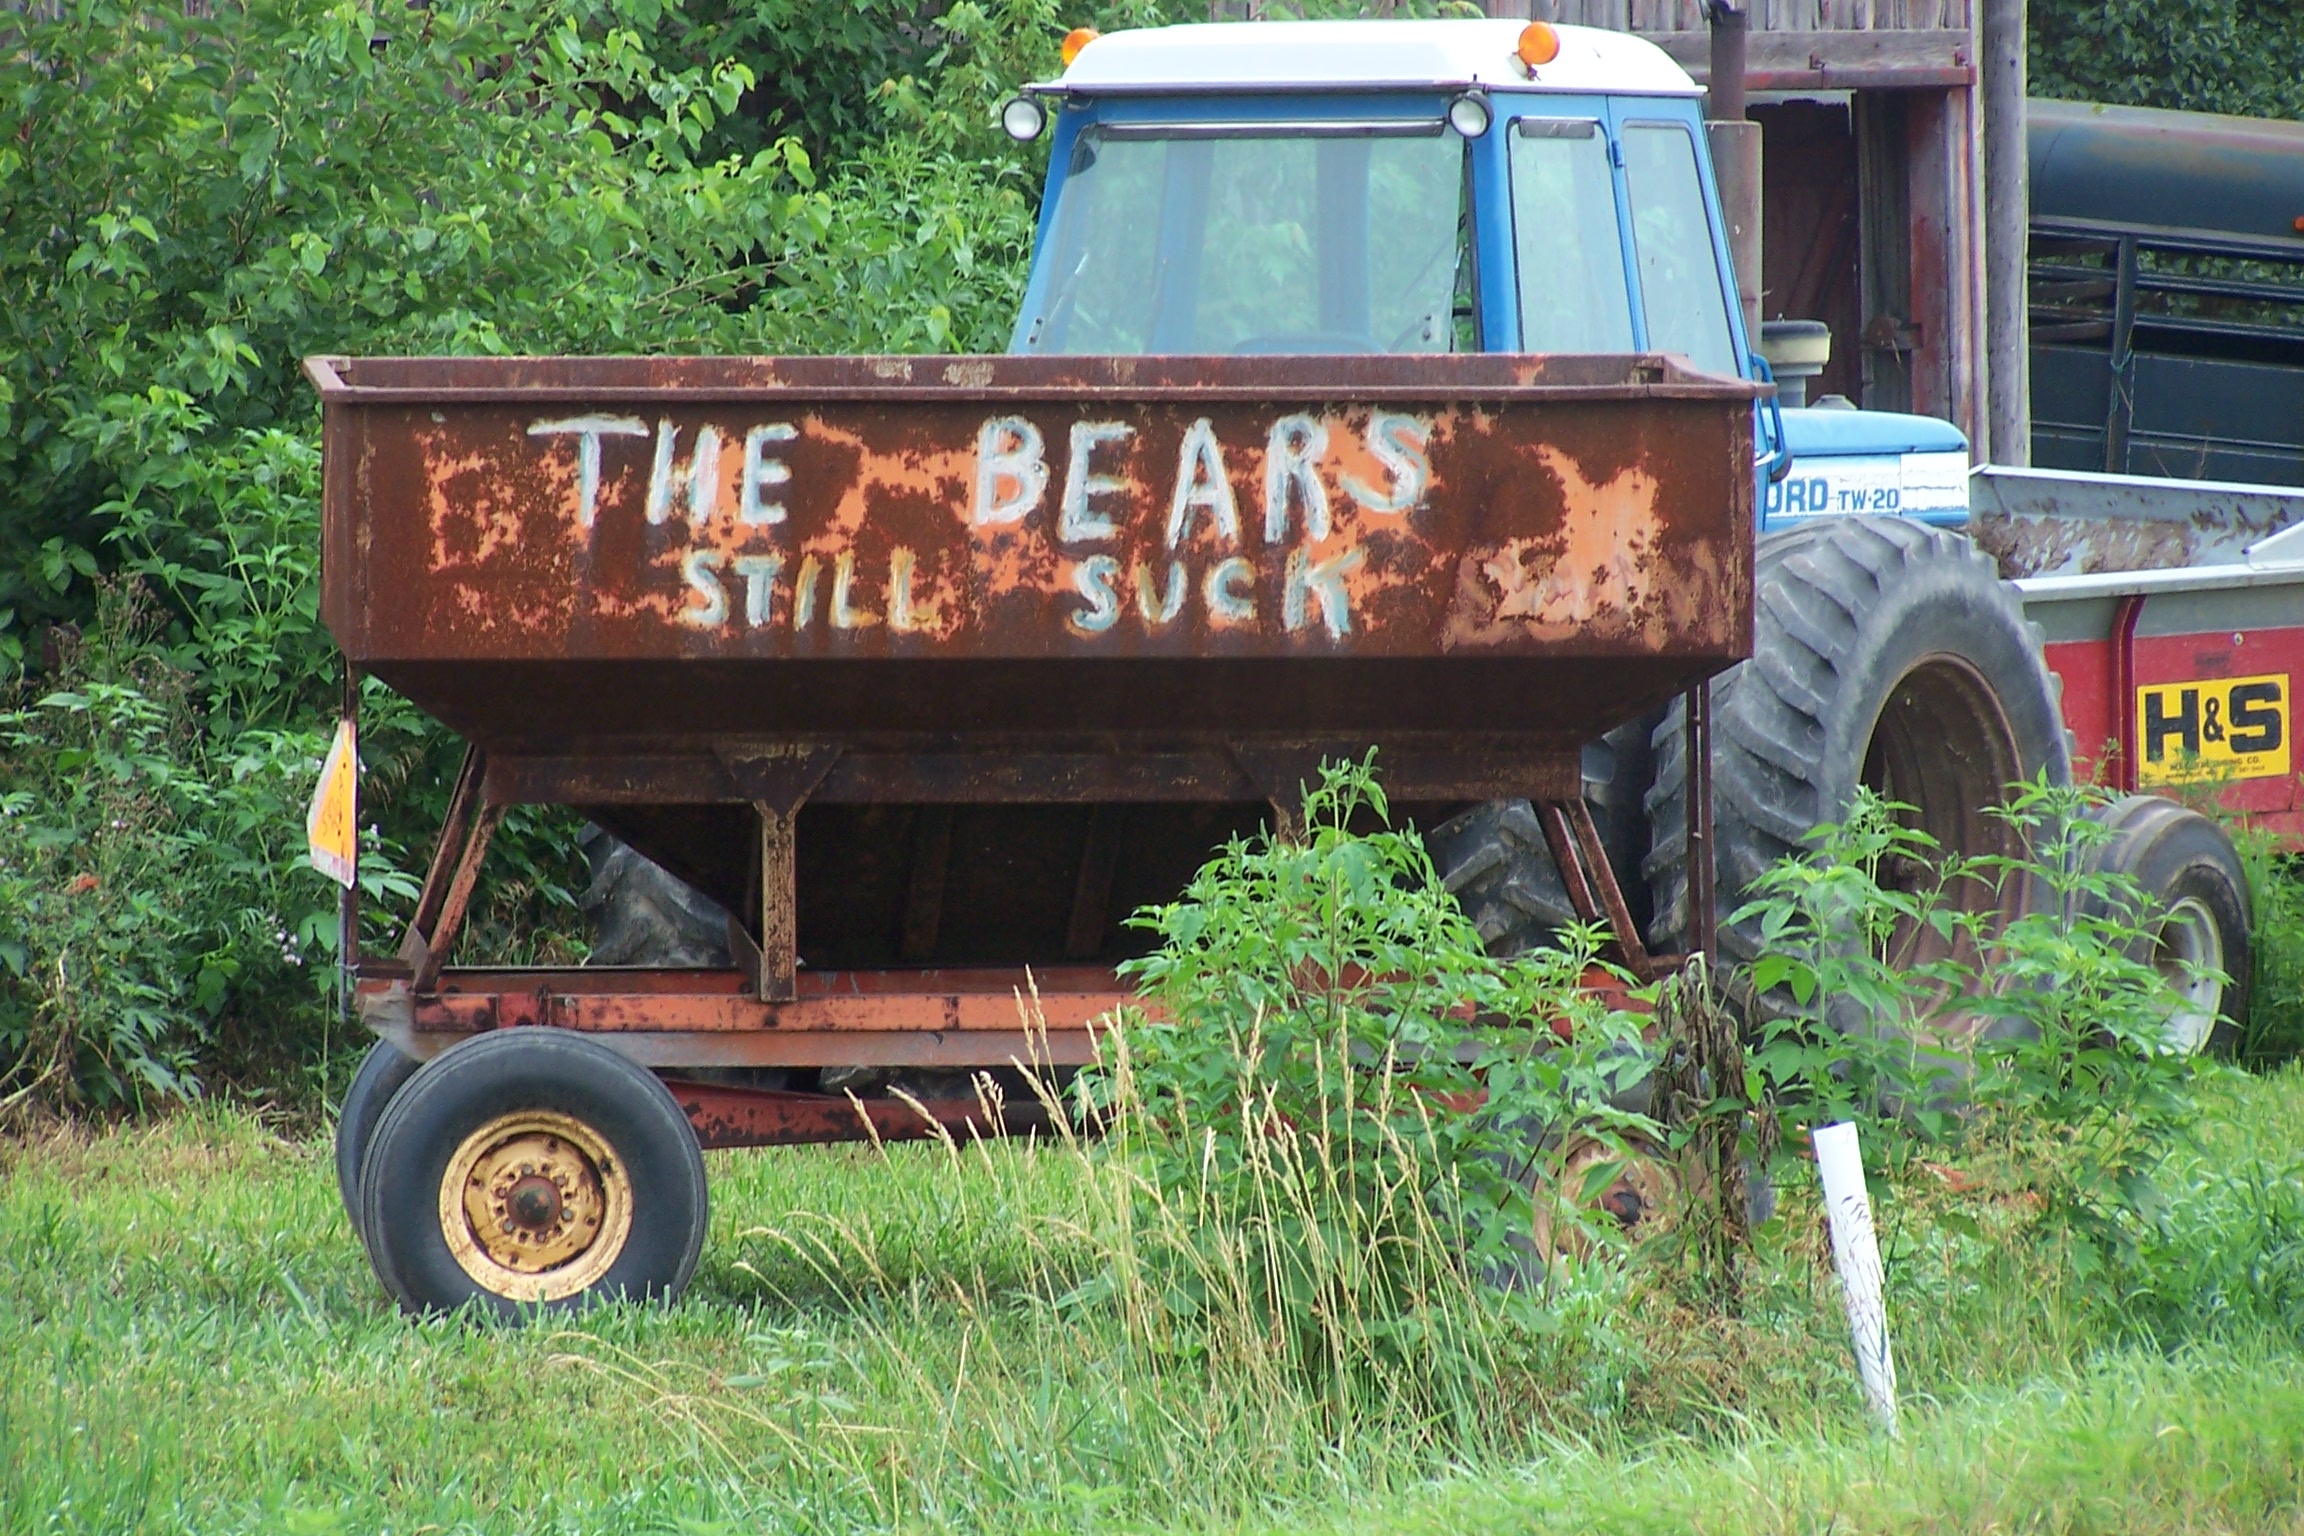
(1888, 997)
(1339, 1132)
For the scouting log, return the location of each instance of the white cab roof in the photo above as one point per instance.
(1365, 55)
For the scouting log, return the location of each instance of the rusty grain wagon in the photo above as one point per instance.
(929, 672)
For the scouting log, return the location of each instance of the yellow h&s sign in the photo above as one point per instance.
(2214, 729)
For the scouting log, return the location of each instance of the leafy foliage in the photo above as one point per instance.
(2048, 1036)
(2244, 57)
(142, 877)
(1354, 1105)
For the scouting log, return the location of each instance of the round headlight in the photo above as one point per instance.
(1468, 114)
(1023, 118)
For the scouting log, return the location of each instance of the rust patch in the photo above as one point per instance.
(1603, 573)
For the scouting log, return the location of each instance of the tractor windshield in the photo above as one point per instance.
(1204, 238)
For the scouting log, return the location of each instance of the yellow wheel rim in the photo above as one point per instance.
(535, 1206)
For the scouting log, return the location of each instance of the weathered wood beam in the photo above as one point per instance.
(1941, 58)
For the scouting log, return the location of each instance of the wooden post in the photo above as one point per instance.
(1947, 343)
(1735, 146)
(779, 905)
(1736, 165)
(2007, 219)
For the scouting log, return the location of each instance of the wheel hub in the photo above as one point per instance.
(534, 1206)
(1636, 1200)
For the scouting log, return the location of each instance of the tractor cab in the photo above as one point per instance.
(1365, 187)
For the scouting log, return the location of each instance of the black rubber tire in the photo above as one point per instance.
(382, 1073)
(1876, 640)
(467, 1086)
(2187, 871)
(1494, 860)
(641, 915)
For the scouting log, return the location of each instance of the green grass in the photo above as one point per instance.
(190, 1340)
(2211, 1440)
(2275, 1031)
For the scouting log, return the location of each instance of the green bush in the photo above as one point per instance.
(2244, 57)
(1343, 1130)
(2046, 1039)
(145, 877)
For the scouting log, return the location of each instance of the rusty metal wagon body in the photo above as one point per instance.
(930, 672)
(933, 670)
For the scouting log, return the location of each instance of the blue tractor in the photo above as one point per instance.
(1352, 188)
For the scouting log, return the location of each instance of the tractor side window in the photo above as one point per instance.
(1571, 262)
(1680, 287)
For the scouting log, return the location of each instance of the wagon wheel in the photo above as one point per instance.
(384, 1071)
(532, 1167)
(1639, 1197)
(2195, 918)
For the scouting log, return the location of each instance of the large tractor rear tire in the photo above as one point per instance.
(1887, 653)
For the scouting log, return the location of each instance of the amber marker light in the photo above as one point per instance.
(1539, 44)
(1075, 40)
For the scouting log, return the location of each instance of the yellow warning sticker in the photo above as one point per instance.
(2217, 728)
(331, 825)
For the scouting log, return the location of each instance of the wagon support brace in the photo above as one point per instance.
(465, 832)
(777, 779)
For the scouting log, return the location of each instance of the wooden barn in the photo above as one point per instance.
(1876, 217)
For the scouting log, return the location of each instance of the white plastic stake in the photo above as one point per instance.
(1855, 1253)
